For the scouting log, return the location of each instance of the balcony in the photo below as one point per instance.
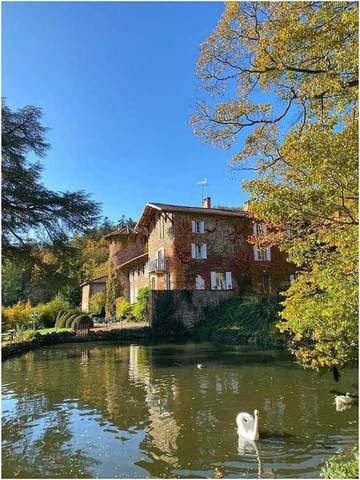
(156, 266)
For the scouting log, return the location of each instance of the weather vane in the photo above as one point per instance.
(203, 184)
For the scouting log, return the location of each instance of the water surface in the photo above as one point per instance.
(115, 411)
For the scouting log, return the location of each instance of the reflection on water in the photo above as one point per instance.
(111, 411)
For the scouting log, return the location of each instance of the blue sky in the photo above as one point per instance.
(116, 83)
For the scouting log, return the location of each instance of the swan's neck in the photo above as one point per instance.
(256, 432)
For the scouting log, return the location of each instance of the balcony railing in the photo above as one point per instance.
(157, 265)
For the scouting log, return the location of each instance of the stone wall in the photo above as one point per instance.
(188, 305)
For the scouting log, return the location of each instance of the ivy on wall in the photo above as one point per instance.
(113, 291)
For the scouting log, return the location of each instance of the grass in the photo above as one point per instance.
(342, 465)
(45, 331)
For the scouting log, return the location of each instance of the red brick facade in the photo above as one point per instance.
(193, 248)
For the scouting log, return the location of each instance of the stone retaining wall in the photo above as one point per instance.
(188, 305)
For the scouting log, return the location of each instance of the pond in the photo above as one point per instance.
(147, 411)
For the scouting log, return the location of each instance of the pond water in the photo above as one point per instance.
(136, 411)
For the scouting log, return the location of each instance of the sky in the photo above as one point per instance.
(116, 83)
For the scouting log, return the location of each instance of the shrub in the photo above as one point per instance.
(124, 309)
(82, 321)
(26, 336)
(164, 322)
(242, 320)
(47, 313)
(63, 319)
(140, 308)
(70, 320)
(97, 303)
(342, 465)
(17, 316)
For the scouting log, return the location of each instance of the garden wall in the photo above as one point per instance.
(183, 306)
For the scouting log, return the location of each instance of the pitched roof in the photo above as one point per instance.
(165, 207)
(101, 279)
(125, 230)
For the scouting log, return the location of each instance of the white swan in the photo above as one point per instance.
(343, 402)
(248, 425)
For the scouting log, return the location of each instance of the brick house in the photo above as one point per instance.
(176, 247)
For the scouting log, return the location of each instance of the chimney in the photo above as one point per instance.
(246, 206)
(207, 202)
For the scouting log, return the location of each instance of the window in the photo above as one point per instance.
(258, 229)
(198, 226)
(199, 251)
(262, 254)
(168, 285)
(199, 283)
(221, 280)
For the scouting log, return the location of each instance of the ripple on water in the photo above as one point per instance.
(136, 411)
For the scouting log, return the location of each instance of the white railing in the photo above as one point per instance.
(157, 265)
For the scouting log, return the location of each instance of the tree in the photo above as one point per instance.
(30, 210)
(293, 68)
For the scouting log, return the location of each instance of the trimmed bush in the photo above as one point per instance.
(82, 322)
(58, 316)
(70, 320)
(63, 319)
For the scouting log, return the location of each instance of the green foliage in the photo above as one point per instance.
(28, 206)
(17, 316)
(12, 282)
(342, 465)
(164, 322)
(124, 310)
(47, 313)
(140, 308)
(113, 291)
(242, 320)
(97, 303)
(70, 319)
(82, 322)
(186, 295)
(305, 193)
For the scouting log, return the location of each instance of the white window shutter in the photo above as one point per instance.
(204, 251)
(213, 280)
(193, 225)
(202, 227)
(256, 252)
(193, 250)
(228, 280)
(268, 256)
(254, 229)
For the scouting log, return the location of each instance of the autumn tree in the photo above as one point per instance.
(282, 79)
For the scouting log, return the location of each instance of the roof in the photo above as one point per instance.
(139, 259)
(165, 207)
(101, 279)
(125, 230)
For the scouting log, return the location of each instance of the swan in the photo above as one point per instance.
(248, 425)
(343, 401)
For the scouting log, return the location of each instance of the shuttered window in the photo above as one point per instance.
(199, 251)
(198, 226)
